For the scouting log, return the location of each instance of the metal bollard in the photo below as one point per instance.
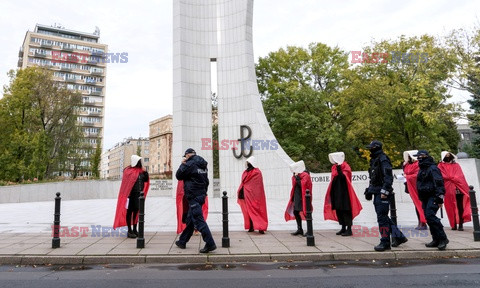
(56, 222)
(476, 225)
(225, 238)
(393, 209)
(141, 221)
(310, 237)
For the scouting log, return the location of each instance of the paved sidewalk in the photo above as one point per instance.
(26, 248)
(25, 236)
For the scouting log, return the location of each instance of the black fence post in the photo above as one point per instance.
(393, 209)
(225, 238)
(310, 237)
(56, 222)
(141, 221)
(476, 225)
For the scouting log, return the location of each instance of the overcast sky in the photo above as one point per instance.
(141, 90)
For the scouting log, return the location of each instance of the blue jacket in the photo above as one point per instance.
(194, 174)
(430, 181)
(380, 172)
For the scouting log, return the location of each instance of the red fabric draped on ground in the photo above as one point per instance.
(254, 204)
(453, 177)
(130, 176)
(182, 207)
(356, 206)
(410, 172)
(306, 184)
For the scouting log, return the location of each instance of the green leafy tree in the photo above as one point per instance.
(297, 86)
(38, 125)
(96, 158)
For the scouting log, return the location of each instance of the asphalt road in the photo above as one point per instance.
(438, 273)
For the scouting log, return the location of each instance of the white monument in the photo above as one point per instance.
(218, 33)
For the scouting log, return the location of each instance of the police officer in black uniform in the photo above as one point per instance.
(194, 173)
(380, 189)
(431, 191)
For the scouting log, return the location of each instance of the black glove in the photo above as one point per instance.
(368, 195)
(438, 199)
(406, 189)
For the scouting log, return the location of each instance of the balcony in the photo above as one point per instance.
(63, 68)
(71, 80)
(65, 48)
(96, 93)
(46, 45)
(96, 72)
(20, 53)
(20, 62)
(43, 55)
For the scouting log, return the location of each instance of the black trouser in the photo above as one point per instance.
(131, 216)
(436, 227)
(298, 219)
(385, 224)
(344, 217)
(195, 220)
(459, 198)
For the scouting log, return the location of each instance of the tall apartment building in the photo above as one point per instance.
(77, 59)
(115, 159)
(161, 147)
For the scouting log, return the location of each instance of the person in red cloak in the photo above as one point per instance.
(135, 179)
(410, 171)
(251, 198)
(297, 206)
(341, 201)
(182, 208)
(457, 199)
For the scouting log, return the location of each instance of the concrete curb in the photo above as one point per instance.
(212, 258)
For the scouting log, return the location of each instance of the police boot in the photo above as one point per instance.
(397, 241)
(382, 247)
(432, 244)
(442, 244)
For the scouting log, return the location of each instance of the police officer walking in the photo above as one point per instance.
(380, 189)
(431, 191)
(194, 173)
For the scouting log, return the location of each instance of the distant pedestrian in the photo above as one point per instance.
(431, 191)
(194, 173)
(251, 198)
(457, 198)
(341, 201)
(134, 180)
(410, 170)
(297, 206)
(381, 190)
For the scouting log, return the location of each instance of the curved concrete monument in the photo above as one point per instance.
(220, 31)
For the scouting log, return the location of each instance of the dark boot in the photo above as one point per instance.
(341, 230)
(382, 247)
(135, 230)
(454, 227)
(442, 244)
(432, 244)
(397, 241)
(298, 232)
(348, 232)
(251, 226)
(131, 235)
(460, 225)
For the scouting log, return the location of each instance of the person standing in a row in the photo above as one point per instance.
(341, 201)
(431, 191)
(182, 208)
(380, 189)
(457, 198)
(410, 170)
(134, 180)
(251, 198)
(194, 173)
(297, 206)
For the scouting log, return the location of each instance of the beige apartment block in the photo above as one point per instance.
(78, 60)
(161, 147)
(117, 158)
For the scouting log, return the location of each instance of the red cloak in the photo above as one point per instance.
(454, 179)
(356, 206)
(130, 176)
(410, 171)
(182, 207)
(306, 182)
(254, 204)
